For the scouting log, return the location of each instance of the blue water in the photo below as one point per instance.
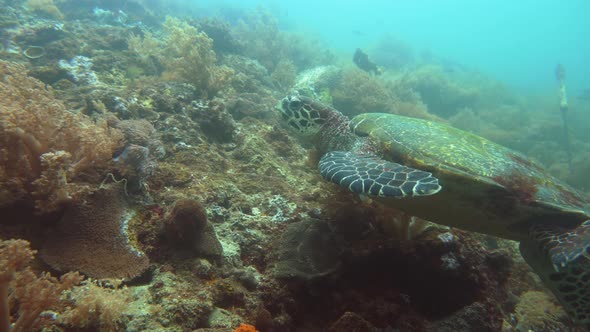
(517, 42)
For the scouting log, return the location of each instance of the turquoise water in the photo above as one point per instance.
(517, 42)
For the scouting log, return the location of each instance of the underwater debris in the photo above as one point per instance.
(94, 237)
(34, 52)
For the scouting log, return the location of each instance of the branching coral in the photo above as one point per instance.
(15, 255)
(186, 54)
(94, 306)
(39, 302)
(20, 287)
(46, 149)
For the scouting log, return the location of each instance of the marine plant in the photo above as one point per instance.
(38, 301)
(262, 40)
(47, 152)
(358, 92)
(186, 54)
(443, 95)
(284, 74)
(44, 6)
(538, 311)
(392, 53)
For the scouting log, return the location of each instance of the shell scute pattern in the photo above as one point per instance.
(366, 174)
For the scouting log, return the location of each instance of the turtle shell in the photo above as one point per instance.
(487, 188)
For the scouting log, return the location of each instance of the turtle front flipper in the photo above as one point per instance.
(561, 257)
(371, 175)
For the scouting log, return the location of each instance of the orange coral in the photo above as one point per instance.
(246, 328)
(45, 149)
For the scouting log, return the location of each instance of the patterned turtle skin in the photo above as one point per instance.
(455, 178)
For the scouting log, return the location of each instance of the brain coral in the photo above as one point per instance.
(93, 238)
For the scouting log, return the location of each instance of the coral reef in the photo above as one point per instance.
(264, 41)
(186, 54)
(186, 226)
(538, 311)
(41, 301)
(138, 160)
(145, 136)
(47, 152)
(47, 7)
(220, 31)
(95, 238)
(443, 96)
(358, 92)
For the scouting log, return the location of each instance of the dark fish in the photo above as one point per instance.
(361, 59)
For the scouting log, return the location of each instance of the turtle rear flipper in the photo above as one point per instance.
(370, 175)
(561, 257)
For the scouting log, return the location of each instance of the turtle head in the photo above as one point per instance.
(303, 114)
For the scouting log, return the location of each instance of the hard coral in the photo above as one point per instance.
(45, 148)
(186, 226)
(94, 238)
(139, 159)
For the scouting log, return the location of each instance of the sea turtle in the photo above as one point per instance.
(455, 178)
